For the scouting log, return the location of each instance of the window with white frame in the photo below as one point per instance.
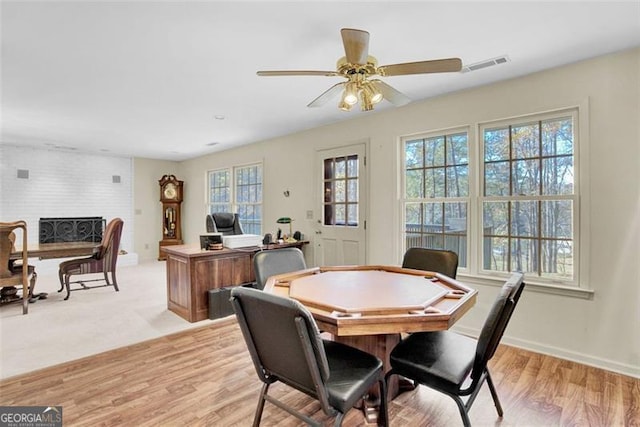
(529, 196)
(238, 189)
(436, 192)
(526, 192)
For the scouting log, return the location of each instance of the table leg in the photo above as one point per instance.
(380, 346)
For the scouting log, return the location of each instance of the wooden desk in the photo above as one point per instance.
(52, 250)
(192, 272)
(368, 307)
(57, 250)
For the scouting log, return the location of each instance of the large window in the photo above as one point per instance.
(528, 200)
(436, 192)
(517, 212)
(238, 189)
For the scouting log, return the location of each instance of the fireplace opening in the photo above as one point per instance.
(80, 229)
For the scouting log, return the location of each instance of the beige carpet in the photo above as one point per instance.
(90, 322)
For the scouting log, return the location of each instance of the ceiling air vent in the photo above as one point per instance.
(484, 64)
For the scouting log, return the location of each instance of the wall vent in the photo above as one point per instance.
(115, 179)
(23, 173)
(486, 63)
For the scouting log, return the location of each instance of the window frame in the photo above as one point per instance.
(330, 183)
(441, 200)
(579, 285)
(572, 112)
(234, 205)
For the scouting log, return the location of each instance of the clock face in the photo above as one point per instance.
(170, 191)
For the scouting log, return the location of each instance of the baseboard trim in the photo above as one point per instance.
(585, 359)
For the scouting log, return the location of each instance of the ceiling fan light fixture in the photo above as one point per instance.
(357, 67)
(365, 100)
(344, 106)
(350, 95)
(372, 92)
(366, 106)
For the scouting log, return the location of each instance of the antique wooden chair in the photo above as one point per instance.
(14, 275)
(285, 346)
(276, 261)
(436, 260)
(454, 364)
(103, 261)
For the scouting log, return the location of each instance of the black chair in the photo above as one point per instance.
(285, 345)
(436, 260)
(276, 261)
(226, 223)
(454, 364)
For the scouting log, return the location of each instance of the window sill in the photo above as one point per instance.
(547, 288)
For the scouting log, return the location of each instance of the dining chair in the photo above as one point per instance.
(454, 364)
(17, 265)
(285, 346)
(103, 261)
(436, 260)
(276, 261)
(14, 275)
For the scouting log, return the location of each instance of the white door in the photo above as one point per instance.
(341, 214)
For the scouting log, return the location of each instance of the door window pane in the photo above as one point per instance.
(340, 185)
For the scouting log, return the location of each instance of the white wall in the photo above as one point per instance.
(602, 330)
(65, 184)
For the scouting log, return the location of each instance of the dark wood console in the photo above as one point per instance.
(192, 272)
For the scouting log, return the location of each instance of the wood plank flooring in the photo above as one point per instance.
(204, 377)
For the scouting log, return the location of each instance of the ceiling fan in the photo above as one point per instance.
(358, 67)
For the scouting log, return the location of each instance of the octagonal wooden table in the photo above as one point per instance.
(368, 307)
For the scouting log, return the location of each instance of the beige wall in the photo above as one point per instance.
(147, 209)
(602, 330)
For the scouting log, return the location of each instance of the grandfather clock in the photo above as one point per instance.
(171, 198)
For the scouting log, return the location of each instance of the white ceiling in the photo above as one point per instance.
(147, 78)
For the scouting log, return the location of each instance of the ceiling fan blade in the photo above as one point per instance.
(356, 45)
(327, 95)
(298, 73)
(421, 67)
(390, 94)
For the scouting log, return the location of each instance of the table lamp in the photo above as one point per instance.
(287, 220)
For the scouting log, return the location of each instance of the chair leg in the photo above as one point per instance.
(114, 281)
(261, 402)
(463, 410)
(25, 298)
(32, 284)
(61, 278)
(494, 394)
(68, 286)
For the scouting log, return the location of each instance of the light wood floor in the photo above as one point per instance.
(204, 377)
